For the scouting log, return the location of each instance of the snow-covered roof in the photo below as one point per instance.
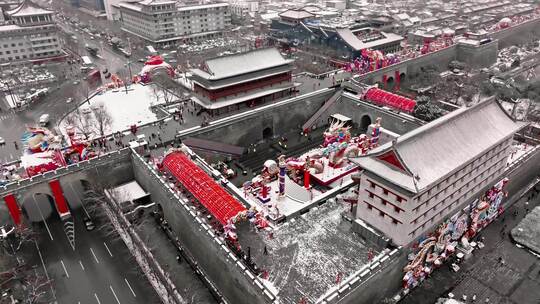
(129, 192)
(402, 16)
(27, 8)
(296, 14)
(350, 38)
(433, 151)
(150, 2)
(243, 63)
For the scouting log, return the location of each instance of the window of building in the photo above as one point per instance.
(369, 207)
(381, 213)
(385, 192)
(394, 221)
(396, 209)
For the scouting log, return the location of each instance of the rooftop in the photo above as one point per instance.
(27, 8)
(350, 38)
(243, 63)
(296, 14)
(437, 149)
(306, 255)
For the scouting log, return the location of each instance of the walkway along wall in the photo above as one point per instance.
(235, 282)
(246, 128)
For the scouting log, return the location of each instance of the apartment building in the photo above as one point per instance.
(241, 8)
(165, 22)
(29, 34)
(415, 182)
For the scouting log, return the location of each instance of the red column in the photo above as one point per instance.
(306, 179)
(385, 80)
(14, 210)
(61, 204)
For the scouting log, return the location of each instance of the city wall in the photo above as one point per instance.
(518, 34)
(379, 279)
(235, 282)
(289, 115)
(110, 169)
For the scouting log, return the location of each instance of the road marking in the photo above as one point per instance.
(46, 226)
(130, 287)
(95, 257)
(65, 270)
(80, 263)
(108, 249)
(114, 294)
(44, 268)
(97, 299)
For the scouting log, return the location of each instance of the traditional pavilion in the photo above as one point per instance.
(249, 78)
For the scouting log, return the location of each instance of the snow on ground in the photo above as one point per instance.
(125, 109)
(527, 232)
(518, 150)
(306, 255)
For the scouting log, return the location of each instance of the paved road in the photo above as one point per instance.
(99, 270)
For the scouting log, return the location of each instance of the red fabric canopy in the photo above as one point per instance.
(384, 98)
(216, 200)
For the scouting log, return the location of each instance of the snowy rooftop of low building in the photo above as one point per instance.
(242, 63)
(27, 8)
(350, 38)
(296, 14)
(128, 192)
(306, 255)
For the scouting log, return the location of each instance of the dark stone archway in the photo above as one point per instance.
(365, 121)
(390, 82)
(38, 207)
(268, 133)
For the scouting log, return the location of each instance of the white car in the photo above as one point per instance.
(2, 141)
(69, 100)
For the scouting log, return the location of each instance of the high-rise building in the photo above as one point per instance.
(29, 34)
(164, 22)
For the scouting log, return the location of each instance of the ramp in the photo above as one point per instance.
(311, 121)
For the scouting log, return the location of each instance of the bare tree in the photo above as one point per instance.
(103, 118)
(80, 122)
(36, 287)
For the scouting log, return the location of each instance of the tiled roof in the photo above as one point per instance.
(435, 150)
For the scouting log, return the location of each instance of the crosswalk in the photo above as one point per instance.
(69, 228)
(6, 115)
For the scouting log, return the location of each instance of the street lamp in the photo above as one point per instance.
(128, 65)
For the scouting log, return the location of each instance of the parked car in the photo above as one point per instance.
(2, 141)
(69, 100)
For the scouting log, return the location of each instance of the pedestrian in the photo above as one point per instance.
(265, 252)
